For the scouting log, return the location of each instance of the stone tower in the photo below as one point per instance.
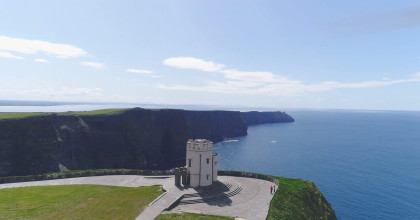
(201, 162)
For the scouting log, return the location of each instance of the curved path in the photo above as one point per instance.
(251, 202)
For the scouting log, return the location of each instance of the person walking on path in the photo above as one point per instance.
(271, 189)
(274, 188)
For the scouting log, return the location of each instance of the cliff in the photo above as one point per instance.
(254, 117)
(299, 199)
(133, 139)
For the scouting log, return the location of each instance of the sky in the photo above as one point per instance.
(269, 54)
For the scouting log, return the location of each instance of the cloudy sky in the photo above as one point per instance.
(278, 54)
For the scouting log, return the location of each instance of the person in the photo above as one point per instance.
(271, 189)
(274, 188)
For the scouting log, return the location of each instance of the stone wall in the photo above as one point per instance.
(249, 175)
(14, 179)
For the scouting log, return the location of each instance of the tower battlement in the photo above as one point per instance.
(199, 145)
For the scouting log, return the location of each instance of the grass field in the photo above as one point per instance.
(14, 115)
(299, 199)
(190, 216)
(9, 115)
(111, 111)
(75, 202)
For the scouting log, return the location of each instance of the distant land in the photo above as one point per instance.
(135, 138)
(34, 103)
(85, 106)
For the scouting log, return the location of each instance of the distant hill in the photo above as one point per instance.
(33, 103)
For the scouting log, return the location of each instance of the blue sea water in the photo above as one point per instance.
(366, 163)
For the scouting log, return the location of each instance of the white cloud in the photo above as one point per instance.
(233, 87)
(139, 71)
(94, 65)
(79, 91)
(249, 76)
(267, 83)
(35, 46)
(41, 60)
(256, 76)
(9, 55)
(193, 63)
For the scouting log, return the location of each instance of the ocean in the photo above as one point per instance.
(366, 163)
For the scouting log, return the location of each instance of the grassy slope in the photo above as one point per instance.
(299, 199)
(75, 202)
(16, 115)
(110, 111)
(191, 216)
(9, 115)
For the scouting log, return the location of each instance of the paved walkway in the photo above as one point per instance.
(251, 203)
(152, 211)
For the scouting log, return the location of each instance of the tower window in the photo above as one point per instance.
(208, 160)
(189, 162)
(207, 177)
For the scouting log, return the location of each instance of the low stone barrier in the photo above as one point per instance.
(14, 179)
(248, 174)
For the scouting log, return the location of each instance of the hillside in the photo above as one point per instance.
(299, 199)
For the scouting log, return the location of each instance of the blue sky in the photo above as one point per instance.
(277, 54)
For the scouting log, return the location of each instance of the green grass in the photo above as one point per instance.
(191, 216)
(70, 171)
(299, 199)
(13, 115)
(75, 202)
(111, 111)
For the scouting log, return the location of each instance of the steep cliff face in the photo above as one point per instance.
(133, 139)
(28, 145)
(254, 117)
(137, 138)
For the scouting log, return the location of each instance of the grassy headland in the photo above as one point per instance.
(299, 199)
(110, 111)
(11, 115)
(75, 202)
(17, 115)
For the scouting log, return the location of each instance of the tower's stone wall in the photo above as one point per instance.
(201, 162)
